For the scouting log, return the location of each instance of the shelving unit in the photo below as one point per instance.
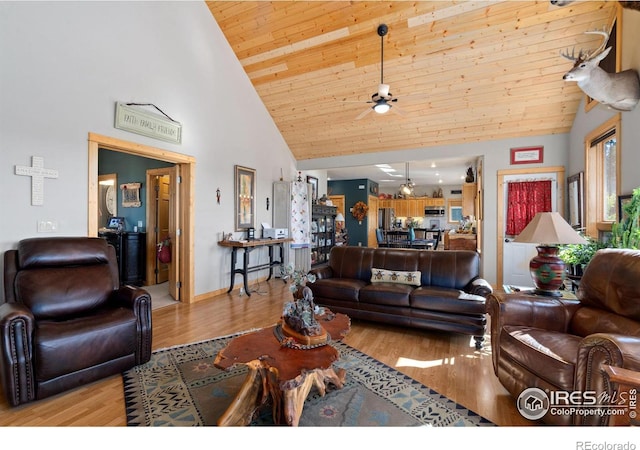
(323, 220)
(131, 255)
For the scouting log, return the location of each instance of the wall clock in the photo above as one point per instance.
(110, 200)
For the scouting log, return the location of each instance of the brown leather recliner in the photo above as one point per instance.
(66, 321)
(562, 345)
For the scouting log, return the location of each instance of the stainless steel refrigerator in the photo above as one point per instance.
(386, 218)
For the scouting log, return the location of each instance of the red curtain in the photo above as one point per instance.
(524, 200)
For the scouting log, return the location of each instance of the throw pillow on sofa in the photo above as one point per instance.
(395, 276)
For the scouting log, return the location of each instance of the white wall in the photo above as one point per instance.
(64, 65)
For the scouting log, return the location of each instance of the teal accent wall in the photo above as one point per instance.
(130, 169)
(354, 191)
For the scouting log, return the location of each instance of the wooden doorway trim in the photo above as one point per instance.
(558, 170)
(186, 166)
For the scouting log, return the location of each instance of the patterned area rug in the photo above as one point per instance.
(179, 386)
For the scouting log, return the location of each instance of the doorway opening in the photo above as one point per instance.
(182, 242)
(162, 201)
(521, 255)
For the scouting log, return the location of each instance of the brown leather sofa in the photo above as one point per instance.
(65, 320)
(557, 344)
(449, 294)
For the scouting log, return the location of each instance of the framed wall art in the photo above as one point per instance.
(527, 155)
(314, 188)
(622, 201)
(245, 195)
(576, 200)
(131, 195)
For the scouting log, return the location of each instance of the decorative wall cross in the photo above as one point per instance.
(38, 173)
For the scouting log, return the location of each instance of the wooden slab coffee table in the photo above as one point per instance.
(279, 374)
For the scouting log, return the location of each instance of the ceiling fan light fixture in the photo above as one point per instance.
(381, 107)
(406, 190)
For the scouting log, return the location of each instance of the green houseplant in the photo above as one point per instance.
(626, 233)
(577, 256)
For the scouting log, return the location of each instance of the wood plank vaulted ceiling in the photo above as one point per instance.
(463, 72)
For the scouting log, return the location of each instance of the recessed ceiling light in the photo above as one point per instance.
(433, 164)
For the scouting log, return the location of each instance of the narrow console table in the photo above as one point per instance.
(247, 246)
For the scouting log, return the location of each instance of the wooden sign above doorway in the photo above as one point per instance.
(136, 120)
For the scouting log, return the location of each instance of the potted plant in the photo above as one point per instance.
(626, 233)
(577, 256)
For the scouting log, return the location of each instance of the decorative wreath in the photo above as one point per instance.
(359, 210)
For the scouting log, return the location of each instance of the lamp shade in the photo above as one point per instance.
(339, 218)
(549, 228)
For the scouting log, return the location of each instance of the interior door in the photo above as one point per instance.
(175, 232)
(163, 202)
(164, 221)
(516, 255)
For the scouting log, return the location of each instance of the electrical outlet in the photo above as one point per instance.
(47, 226)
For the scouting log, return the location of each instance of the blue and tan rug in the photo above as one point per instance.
(179, 386)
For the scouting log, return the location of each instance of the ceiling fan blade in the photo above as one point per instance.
(398, 111)
(364, 113)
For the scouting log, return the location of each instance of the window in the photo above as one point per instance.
(455, 211)
(603, 181)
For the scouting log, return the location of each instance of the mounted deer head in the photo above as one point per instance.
(619, 91)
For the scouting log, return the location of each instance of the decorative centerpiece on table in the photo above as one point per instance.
(298, 327)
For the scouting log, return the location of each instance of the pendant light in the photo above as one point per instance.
(406, 188)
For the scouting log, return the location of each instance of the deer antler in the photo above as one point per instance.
(599, 50)
(572, 57)
(584, 56)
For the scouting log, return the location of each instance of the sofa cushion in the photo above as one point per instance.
(531, 348)
(451, 269)
(447, 300)
(393, 294)
(56, 292)
(605, 283)
(395, 276)
(337, 288)
(589, 320)
(62, 347)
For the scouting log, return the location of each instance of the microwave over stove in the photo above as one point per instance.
(434, 211)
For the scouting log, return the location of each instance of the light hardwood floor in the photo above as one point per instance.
(448, 363)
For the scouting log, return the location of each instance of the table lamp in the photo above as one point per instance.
(339, 221)
(548, 230)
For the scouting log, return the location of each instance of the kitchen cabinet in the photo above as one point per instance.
(460, 241)
(411, 207)
(469, 199)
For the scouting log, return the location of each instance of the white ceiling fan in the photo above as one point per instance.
(383, 99)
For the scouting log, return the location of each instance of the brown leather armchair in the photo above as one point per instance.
(558, 344)
(66, 321)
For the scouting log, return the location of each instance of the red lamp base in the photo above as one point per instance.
(547, 271)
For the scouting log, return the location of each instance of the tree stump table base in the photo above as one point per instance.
(280, 375)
